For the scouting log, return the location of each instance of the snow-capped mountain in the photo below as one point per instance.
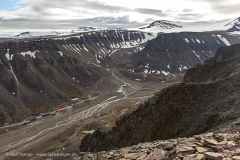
(24, 35)
(31, 34)
(87, 29)
(230, 25)
(116, 28)
(234, 25)
(161, 24)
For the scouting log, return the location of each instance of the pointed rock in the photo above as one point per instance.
(213, 156)
(236, 157)
(201, 149)
(200, 157)
(210, 142)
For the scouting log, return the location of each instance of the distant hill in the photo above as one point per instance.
(165, 26)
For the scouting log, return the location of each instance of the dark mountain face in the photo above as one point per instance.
(207, 97)
(176, 52)
(37, 74)
(35, 77)
(235, 25)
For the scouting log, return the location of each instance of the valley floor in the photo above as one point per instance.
(61, 134)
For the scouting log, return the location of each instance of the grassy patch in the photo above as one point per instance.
(81, 135)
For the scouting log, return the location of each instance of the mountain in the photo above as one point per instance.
(174, 53)
(87, 29)
(207, 99)
(32, 34)
(234, 26)
(38, 74)
(229, 25)
(24, 35)
(161, 25)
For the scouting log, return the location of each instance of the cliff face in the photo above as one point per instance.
(183, 109)
(36, 74)
(176, 52)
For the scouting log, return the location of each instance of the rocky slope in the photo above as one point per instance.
(222, 144)
(37, 74)
(174, 53)
(183, 109)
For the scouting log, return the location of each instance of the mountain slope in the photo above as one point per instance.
(37, 74)
(234, 26)
(183, 109)
(174, 53)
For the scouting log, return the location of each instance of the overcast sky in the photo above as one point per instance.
(70, 14)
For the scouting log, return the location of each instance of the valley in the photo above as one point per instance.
(112, 101)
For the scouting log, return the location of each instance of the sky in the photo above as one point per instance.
(16, 15)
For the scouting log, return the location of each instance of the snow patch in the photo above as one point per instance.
(8, 56)
(97, 59)
(165, 73)
(32, 54)
(224, 40)
(85, 48)
(60, 52)
(198, 40)
(74, 99)
(196, 54)
(145, 71)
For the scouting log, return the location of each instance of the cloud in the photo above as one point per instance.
(25, 24)
(187, 10)
(150, 11)
(72, 14)
(223, 6)
(187, 16)
(227, 9)
(73, 5)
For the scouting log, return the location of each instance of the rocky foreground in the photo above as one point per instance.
(217, 145)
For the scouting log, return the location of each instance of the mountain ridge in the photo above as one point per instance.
(166, 26)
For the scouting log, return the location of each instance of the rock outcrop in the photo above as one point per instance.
(183, 109)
